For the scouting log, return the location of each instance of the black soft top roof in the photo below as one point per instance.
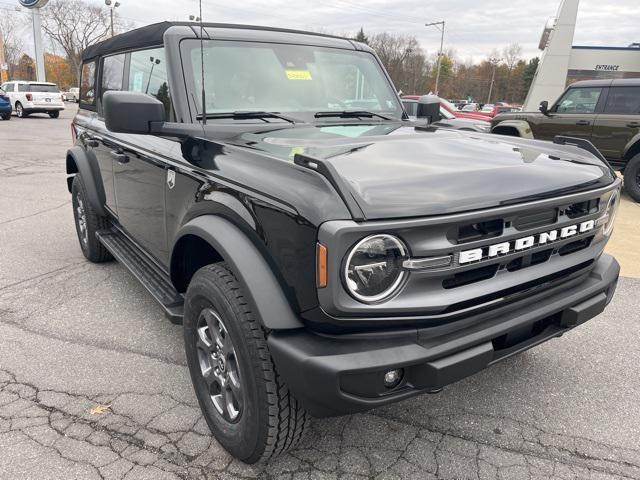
(153, 35)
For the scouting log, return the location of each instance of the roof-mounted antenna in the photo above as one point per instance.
(204, 100)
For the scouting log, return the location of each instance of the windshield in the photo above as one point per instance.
(38, 87)
(271, 77)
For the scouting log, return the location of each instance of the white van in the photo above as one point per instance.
(34, 97)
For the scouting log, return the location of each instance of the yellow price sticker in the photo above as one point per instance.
(299, 75)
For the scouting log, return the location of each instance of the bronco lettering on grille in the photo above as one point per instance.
(524, 243)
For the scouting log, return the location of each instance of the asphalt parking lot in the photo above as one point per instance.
(75, 337)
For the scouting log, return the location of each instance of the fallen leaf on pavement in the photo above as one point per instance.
(100, 409)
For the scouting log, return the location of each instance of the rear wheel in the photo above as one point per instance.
(20, 111)
(88, 222)
(54, 114)
(246, 404)
(632, 178)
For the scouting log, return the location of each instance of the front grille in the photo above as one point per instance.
(528, 288)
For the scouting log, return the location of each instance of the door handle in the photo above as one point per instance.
(633, 124)
(119, 157)
(583, 122)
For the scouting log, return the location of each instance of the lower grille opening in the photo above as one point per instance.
(470, 276)
(504, 342)
(535, 259)
(527, 287)
(575, 246)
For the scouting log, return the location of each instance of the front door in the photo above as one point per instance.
(572, 116)
(140, 162)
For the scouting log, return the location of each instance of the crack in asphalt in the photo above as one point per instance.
(39, 212)
(157, 434)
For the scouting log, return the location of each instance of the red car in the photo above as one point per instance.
(449, 107)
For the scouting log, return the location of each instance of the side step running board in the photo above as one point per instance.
(152, 277)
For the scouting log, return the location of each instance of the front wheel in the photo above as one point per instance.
(632, 178)
(54, 114)
(246, 404)
(6, 116)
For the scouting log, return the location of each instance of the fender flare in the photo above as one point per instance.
(87, 166)
(523, 127)
(632, 146)
(258, 281)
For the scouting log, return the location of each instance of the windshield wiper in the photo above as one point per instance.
(248, 115)
(351, 114)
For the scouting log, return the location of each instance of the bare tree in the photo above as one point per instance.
(11, 32)
(74, 25)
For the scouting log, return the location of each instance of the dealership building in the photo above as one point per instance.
(563, 63)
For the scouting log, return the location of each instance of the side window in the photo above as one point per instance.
(112, 73)
(623, 101)
(24, 87)
(148, 74)
(88, 85)
(579, 100)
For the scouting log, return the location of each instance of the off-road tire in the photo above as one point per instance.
(54, 114)
(272, 420)
(632, 178)
(91, 247)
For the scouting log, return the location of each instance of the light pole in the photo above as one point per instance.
(111, 8)
(154, 62)
(439, 26)
(495, 62)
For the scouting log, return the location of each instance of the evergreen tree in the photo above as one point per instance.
(361, 37)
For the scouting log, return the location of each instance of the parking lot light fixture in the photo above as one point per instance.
(112, 6)
(439, 26)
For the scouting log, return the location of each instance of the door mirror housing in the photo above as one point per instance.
(429, 108)
(132, 112)
(544, 107)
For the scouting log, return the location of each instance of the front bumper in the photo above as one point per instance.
(340, 374)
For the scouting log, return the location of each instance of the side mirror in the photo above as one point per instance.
(132, 112)
(544, 107)
(429, 108)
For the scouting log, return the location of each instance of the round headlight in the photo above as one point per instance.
(373, 268)
(612, 210)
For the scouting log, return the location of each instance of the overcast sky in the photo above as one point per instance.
(474, 27)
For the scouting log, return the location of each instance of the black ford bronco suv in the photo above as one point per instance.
(324, 254)
(604, 112)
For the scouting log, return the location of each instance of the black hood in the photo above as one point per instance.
(397, 171)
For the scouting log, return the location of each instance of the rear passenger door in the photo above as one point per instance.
(573, 115)
(618, 123)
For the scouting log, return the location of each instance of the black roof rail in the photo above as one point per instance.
(329, 172)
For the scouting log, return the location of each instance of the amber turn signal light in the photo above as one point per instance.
(321, 266)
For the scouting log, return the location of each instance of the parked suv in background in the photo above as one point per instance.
(34, 97)
(324, 254)
(605, 112)
(73, 95)
(5, 106)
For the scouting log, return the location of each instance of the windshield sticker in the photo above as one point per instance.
(298, 74)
